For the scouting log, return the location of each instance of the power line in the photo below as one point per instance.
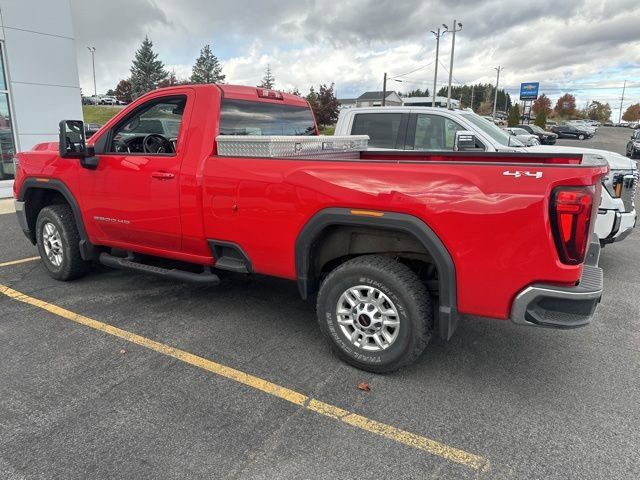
(411, 71)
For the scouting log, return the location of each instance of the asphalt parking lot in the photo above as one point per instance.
(155, 397)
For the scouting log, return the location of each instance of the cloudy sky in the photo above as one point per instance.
(586, 47)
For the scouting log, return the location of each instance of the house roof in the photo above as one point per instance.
(375, 95)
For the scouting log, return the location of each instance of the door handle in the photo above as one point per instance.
(163, 175)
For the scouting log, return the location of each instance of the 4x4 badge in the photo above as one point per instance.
(519, 174)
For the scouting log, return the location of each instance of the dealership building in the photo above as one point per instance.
(39, 83)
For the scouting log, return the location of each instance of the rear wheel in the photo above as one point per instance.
(376, 313)
(58, 243)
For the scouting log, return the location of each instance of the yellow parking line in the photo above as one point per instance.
(419, 442)
(16, 262)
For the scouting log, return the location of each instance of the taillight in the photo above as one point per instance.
(570, 222)
(273, 94)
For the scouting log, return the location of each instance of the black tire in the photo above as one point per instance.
(581, 137)
(71, 266)
(402, 287)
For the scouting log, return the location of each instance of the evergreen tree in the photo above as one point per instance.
(541, 119)
(514, 116)
(314, 101)
(207, 68)
(268, 81)
(146, 71)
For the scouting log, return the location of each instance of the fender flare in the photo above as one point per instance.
(307, 283)
(87, 250)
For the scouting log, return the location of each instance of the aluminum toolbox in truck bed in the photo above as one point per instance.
(347, 146)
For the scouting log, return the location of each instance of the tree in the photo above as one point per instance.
(566, 105)
(479, 93)
(541, 119)
(295, 91)
(147, 71)
(207, 68)
(598, 111)
(268, 81)
(327, 106)
(416, 93)
(632, 113)
(314, 101)
(514, 116)
(123, 91)
(111, 93)
(542, 104)
(172, 80)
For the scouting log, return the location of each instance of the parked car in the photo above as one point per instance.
(108, 100)
(395, 245)
(583, 125)
(550, 124)
(89, 101)
(435, 129)
(529, 139)
(608, 123)
(633, 145)
(546, 138)
(571, 131)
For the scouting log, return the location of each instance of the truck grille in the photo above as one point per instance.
(629, 184)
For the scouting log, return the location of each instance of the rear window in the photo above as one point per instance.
(242, 117)
(382, 128)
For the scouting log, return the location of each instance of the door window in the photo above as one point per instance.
(382, 128)
(151, 129)
(435, 132)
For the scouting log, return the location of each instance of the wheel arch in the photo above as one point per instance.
(37, 194)
(313, 233)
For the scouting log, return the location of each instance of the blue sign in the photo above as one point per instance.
(529, 90)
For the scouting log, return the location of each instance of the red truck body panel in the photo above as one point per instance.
(494, 226)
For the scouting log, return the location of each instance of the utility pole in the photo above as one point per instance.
(495, 96)
(472, 89)
(453, 46)
(435, 75)
(622, 100)
(384, 90)
(93, 64)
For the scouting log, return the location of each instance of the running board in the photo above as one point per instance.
(170, 273)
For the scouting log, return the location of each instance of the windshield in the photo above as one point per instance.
(536, 128)
(488, 127)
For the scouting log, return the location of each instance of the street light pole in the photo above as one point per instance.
(495, 96)
(453, 46)
(435, 75)
(93, 64)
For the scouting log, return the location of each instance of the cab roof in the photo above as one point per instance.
(242, 92)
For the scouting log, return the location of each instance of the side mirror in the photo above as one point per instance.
(73, 143)
(465, 141)
(72, 139)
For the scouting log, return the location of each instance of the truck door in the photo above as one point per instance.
(132, 198)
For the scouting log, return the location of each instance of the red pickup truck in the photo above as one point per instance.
(396, 245)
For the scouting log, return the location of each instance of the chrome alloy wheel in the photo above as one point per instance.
(52, 243)
(368, 318)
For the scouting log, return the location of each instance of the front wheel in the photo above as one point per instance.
(58, 243)
(580, 137)
(376, 313)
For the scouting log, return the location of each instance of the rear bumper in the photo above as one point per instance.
(562, 307)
